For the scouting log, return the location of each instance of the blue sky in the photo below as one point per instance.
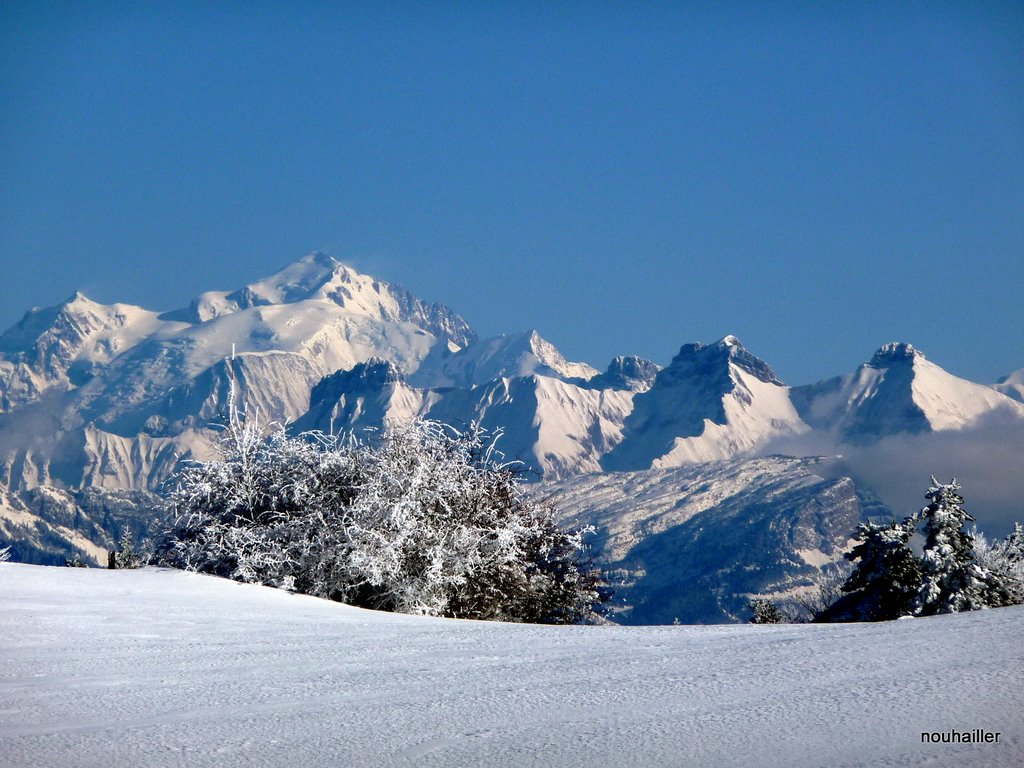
(816, 179)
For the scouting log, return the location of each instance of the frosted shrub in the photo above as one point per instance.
(427, 521)
(763, 611)
(272, 510)
(441, 528)
(5, 554)
(1004, 559)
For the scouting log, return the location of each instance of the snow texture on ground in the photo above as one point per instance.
(161, 668)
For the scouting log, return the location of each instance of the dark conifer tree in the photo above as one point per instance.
(886, 579)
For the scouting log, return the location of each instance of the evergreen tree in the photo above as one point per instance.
(957, 571)
(126, 556)
(951, 579)
(886, 579)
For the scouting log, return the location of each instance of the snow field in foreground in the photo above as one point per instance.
(161, 668)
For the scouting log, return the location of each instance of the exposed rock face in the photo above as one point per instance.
(368, 397)
(626, 372)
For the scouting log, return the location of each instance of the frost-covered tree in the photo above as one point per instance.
(441, 527)
(425, 521)
(952, 581)
(271, 510)
(886, 578)
(826, 590)
(764, 611)
(127, 556)
(1004, 560)
(5, 554)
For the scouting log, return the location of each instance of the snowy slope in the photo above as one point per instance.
(158, 668)
(712, 402)
(898, 391)
(555, 427)
(695, 543)
(508, 356)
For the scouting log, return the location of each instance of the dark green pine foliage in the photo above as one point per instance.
(886, 579)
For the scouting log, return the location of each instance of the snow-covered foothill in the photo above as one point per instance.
(163, 668)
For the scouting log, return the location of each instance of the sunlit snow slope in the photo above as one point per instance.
(159, 668)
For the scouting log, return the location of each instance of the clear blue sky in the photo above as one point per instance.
(625, 177)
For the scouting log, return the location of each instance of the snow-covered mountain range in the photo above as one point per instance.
(112, 397)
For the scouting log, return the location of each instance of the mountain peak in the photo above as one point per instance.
(894, 352)
(320, 258)
(319, 277)
(697, 357)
